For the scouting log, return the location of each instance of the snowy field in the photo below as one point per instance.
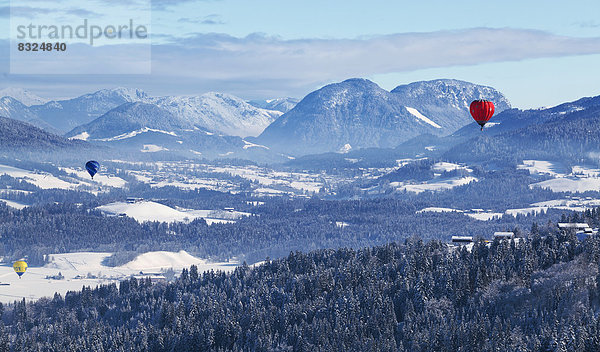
(101, 178)
(266, 181)
(439, 210)
(13, 204)
(192, 175)
(86, 269)
(434, 185)
(478, 214)
(182, 175)
(540, 167)
(41, 179)
(571, 184)
(78, 179)
(485, 216)
(439, 182)
(579, 179)
(570, 204)
(143, 211)
(445, 166)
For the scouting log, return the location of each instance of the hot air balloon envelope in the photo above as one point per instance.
(20, 267)
(92, 167)
(482, 111)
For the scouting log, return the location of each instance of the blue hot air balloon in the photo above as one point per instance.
(92, 167)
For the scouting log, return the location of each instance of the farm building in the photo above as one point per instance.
(504, 235)
(462, 239)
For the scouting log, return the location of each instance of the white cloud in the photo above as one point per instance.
(261, 65)
(257, 57)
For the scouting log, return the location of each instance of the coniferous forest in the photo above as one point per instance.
(538, 293)
(220, 175)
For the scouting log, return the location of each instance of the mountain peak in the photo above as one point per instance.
(354, 83)
(138, 106)
(335, 95)
(23, 96)
(460, 92)
(354, 112)
(359, 81)
(7, 99)
(220, 112)
(360, 113)
(279, 104)
(453, 95)
(15, 109)
(65, 115)
(129, 94)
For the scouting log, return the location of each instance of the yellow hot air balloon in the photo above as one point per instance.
(20, 267)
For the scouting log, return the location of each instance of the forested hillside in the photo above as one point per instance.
(571, 137)
(536, 294)
(273, 230)
(21, 135)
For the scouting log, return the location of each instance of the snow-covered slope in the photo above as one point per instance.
(281, 104)
(41, 179)
(65, 115)
(163, 260)
(22, 95)
(101, 178)
(448, 100)
(418, 115)
(130, 120)
(147, 128)
(86, 269)
(143, 211)
(147, 211)
(13, 204)
(77, 178)
(217, 112)
(433, 185)
(14, 109)
(572, 184)
(220, 112)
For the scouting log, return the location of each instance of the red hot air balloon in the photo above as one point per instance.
(482, 111)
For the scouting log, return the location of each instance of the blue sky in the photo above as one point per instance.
(538, 53)
(353, 18)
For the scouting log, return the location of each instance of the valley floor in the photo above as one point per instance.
(86, 269)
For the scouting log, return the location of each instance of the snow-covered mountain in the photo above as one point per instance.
(14, 109)
(64, 115)
(357, 113)
(24, 96)
(447, 100)
(281, 104)
(566, 133)
(148, 128)
(219, 112)
(514, 119)
(130, 119)
(353, 114)
(515, 127)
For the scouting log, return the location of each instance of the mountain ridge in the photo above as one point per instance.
(15, 134)
(22, 95)
(357, 113)
(148, 128)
